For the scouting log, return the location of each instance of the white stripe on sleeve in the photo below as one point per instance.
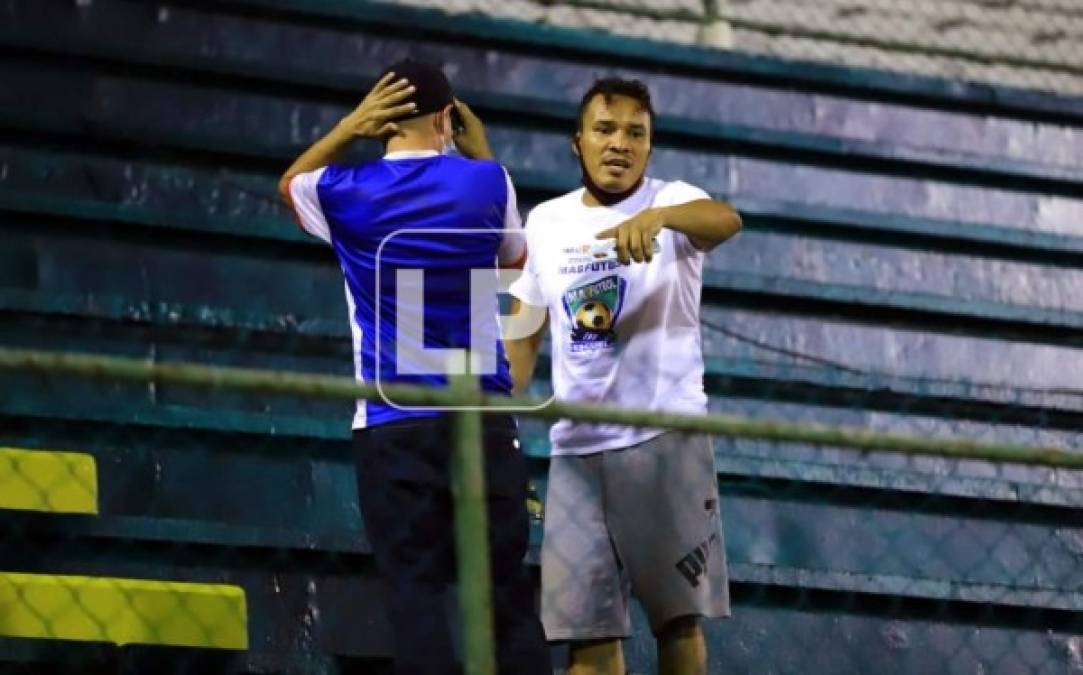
(513, 247)
(306, 204)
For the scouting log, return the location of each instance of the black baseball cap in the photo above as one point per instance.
(432, 91)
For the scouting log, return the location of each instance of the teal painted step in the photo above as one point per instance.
(936, 312)
(321, 345)
(274, 71)
(80, 658)
(799, 613)
(990, 276)
(93, 659)
(258, 125)
(869, 637)
(938, 92)
(111, 529)
(222, 540)
(248, 239)
(764, 635)
(782, 391)
(252, 209)
(301, 494)
(822, 469)
(569, 44)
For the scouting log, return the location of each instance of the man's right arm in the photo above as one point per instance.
(523, 352)
(471, 140)
(371, 119)
(528, 315)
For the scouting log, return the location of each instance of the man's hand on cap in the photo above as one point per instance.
(371, 119)
(471, 142)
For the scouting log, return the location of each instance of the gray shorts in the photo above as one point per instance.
(640, 521)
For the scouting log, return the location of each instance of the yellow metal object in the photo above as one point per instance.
(123, 611)
(44, 480)
(534, 504)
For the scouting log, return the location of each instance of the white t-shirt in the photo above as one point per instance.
(622, 335)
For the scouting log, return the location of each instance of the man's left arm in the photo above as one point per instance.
(706, 222)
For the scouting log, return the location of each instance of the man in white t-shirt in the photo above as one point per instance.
(618, 267)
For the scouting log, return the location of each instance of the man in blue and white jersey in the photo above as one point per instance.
(408, 230)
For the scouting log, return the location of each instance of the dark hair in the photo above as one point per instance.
(608, 87)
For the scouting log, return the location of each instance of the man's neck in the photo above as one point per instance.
(412, 144)
(589, 199)
(596, 196)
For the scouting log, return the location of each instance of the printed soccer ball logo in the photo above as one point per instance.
(594, 315)
(593, 309)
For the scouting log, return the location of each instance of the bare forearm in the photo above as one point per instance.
(371, 119)
(705, 222)
(320, 154)
(524, 332)
(523, 357)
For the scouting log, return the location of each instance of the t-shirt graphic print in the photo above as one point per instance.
(592, 309)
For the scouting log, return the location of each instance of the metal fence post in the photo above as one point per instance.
(715, 30)
(471, 536)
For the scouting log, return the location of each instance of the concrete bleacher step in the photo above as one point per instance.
(122, 611)
(691, 135)
(19, 656)
(439, 25)
(82, 43)
(258, 491)
(81, 202)
(852, 502)
(101, 609)
(269, 598)
(739, 459)
(258, 551)
(50, 481)
(918, 309)
(327, 336)
(789, 388)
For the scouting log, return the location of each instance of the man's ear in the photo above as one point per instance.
(440, 122)
(575, 145)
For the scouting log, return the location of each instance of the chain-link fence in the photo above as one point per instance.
(99, 609)
(849, 550)
(908, 266)
(1032, 44)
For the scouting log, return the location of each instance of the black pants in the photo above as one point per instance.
(404, 471)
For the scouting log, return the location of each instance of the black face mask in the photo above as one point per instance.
(604, 198)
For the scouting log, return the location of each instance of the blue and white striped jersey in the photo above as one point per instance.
(407, 231)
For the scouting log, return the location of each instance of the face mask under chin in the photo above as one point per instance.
(602, 196)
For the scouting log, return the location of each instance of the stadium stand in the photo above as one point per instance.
(900, 232)
(1021, 43)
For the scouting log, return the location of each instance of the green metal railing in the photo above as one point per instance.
(469, 404)
(471, 542)
(280, 382)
